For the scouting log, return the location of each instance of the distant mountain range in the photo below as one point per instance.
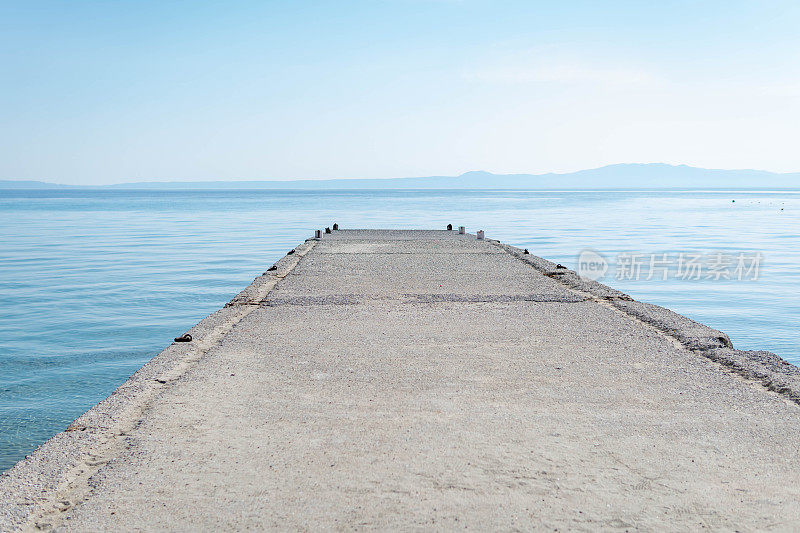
(634, 175)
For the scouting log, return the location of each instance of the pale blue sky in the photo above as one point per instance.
(112, 91)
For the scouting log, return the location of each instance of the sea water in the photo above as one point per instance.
(93, 283)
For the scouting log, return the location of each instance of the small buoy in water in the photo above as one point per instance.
(526, 252)
(184, 338)
(449, 227)
(327, 230)
(335, 227)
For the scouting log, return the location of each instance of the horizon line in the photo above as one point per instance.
(307, 180)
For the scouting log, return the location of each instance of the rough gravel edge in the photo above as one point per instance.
(27, 488)
(773, 372)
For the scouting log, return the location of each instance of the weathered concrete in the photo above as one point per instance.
(420, 380)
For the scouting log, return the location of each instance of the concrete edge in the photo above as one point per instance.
(32, 487)
(254, 293)
(766, 368)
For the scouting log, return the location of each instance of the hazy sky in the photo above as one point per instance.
(111, 91)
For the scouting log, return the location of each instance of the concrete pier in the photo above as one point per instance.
(429, 380)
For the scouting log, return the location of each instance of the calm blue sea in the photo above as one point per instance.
(93, 283)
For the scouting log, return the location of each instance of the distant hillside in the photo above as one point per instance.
(28, 184)
(652, 175)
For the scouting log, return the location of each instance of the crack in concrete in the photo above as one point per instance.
(500, 298)
(354, 299)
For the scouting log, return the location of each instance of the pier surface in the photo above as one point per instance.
(428, 380)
